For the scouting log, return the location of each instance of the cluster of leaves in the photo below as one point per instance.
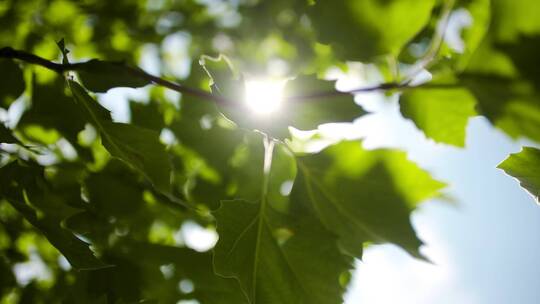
(112, 198)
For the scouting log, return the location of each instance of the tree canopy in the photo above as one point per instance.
(104, 203)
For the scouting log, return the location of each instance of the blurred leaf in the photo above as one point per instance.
(308, 114)
(511, 105)
(199, 128)
(442, 114)
(18, 180)
(12, 84)
(524, 55)
(471, 20)
(7, 276)
(114, 192)
(118, 205)
(138, 147)
(362, 30)
(472, 35)
(100, 76)
(7, 137)
(514, 18)
(146, 115)
(46, 100)
(525, 167)
(500, 75)
(76, 251)
(163, 272)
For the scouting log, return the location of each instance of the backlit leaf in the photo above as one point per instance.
(364, 196)
(18, 179)
(138, 147)
(305, 114)
(511, 105)
(362, 30)
(12, 84)
(100, 76)
(525, 167)
(278, 256)
(441, 113)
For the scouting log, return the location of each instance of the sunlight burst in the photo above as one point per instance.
(264, 96)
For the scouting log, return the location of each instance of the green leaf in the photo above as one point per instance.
(146, 115)
(364, 196)
(500, 74)
(362, 30)
(524, 56)
(100, 76)
(511, 105)
(458, 55)
(308, 114)
(62, 46)
(113, 192)
(136, 146)
(184, 264)
(76, 251)
(215, 140)
(472, 35)
(441, 113)
(525, 167)
(140, 148)
(46, 100)
(304, 269)
(12, 84)
(200, 128)
(20, 180)
(278, 255)
(117, 200)
(514, 18)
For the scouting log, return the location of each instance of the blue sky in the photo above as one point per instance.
(485, 245)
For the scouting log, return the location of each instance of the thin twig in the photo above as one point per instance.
(436, 42)
(8, 52)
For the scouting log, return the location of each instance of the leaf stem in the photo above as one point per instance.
(436, 42)
(268, 152)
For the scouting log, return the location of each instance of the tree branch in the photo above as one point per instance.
(436, 41)
(8, 52)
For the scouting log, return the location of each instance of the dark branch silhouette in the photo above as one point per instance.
(8, 52)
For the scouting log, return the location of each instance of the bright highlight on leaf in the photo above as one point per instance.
(264, 96)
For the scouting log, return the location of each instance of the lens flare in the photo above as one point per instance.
(264, 97)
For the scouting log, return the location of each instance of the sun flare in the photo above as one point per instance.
(264, 96)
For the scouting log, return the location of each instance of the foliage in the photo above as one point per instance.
(523, 166)
(103, 203)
